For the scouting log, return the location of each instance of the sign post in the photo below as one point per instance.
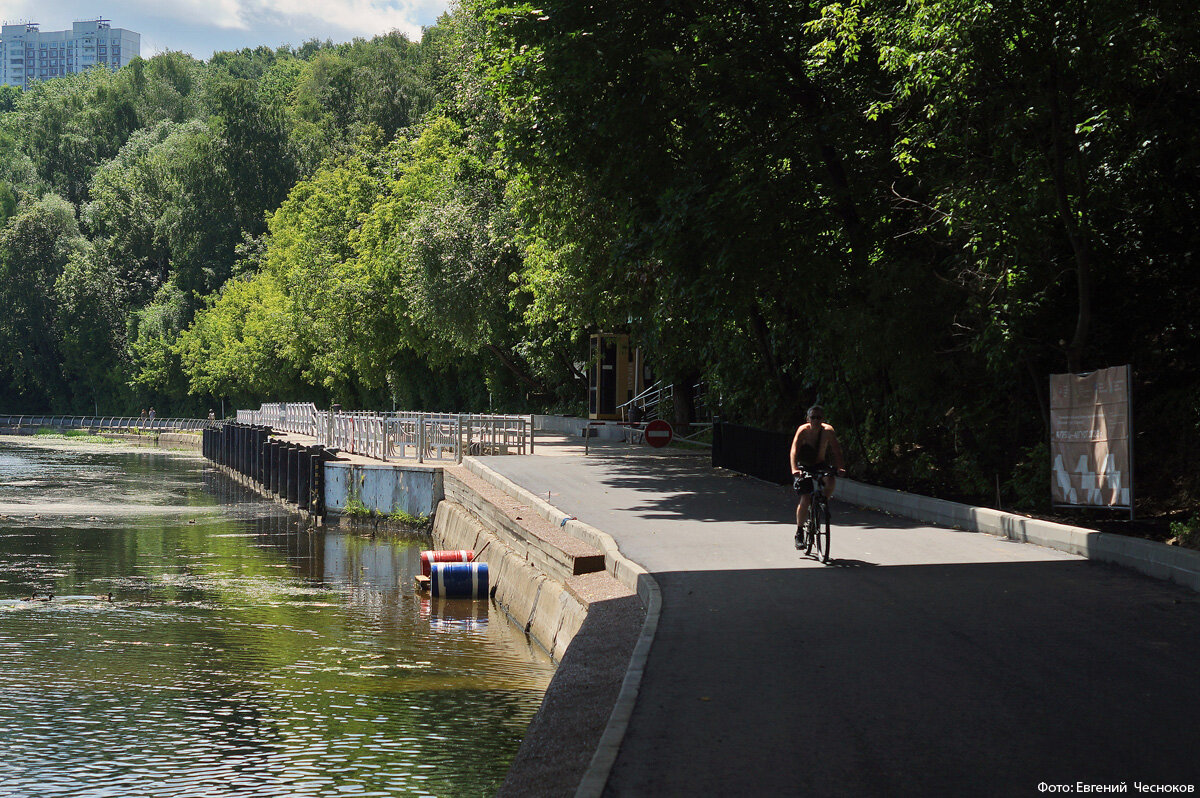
(1091, 444)
(658, 433)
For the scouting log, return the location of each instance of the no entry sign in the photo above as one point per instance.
(658, 433)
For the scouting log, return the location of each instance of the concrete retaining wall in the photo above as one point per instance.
(385, 489)
(163, 440)
(624, 570)
(1158, 560)
(548, 549)
(546, 609)
(180, 440)
(635, 579)
(571, 425)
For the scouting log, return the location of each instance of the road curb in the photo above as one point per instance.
(632, 576)
(1158, 560)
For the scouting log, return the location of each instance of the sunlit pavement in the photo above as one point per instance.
(922, 660)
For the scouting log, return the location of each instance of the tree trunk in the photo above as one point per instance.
(1077, 231)
(683, 402)
(508, 362)
(760, 334)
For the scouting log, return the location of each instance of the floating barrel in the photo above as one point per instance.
(458, 555)
(459, 580)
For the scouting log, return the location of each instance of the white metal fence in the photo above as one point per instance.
(108, 423)
(400, 436)
(297, 417)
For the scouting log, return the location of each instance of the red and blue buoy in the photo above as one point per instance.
(459, 580)
(451, 555)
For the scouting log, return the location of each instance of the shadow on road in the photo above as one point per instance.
(979, 679)
(678, 489)
(847, 563)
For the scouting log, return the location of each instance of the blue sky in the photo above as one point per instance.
(201, 27)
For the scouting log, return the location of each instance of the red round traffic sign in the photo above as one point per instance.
(658, 433)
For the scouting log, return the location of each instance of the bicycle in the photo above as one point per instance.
(816, 526)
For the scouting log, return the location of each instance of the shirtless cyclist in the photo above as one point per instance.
(814, 446)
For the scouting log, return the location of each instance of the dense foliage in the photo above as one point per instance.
(913, 212)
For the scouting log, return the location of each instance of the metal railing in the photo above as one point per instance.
(400, 436)
(108, 423)
(647, 402)
(297, 417)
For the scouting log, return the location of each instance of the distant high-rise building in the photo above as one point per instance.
(28, 55)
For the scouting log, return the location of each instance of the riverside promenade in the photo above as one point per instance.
(921, 661)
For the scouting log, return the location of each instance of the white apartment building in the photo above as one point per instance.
(27, 54)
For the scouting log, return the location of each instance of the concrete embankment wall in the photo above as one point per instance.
(163, 440)
(572, 425)
(595, 611)
(383, 488)
(543, 608)
(543, 578)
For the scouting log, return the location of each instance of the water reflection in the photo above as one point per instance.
(243, 653)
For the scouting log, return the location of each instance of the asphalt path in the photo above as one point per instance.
(921, 661)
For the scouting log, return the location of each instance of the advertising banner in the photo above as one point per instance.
(1090, 439)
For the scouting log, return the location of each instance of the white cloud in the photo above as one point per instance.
(353, 17)
(201, 26)
(225, 14)
(327, 19)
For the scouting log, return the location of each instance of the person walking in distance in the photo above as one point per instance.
(815, 446)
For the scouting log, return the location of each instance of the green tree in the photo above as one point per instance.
(152, 333)
(8, 98)
(713, 182)
(35, 247)
(241, 345)
(92, 336)
(68, 126)
(1037, 138)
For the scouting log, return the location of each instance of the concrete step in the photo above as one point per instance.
(529, 535)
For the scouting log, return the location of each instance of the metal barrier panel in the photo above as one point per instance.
(749, 450)
(402, 435)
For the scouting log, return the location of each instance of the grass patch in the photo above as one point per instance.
(71, 435)
(412, 521)
(356, 509)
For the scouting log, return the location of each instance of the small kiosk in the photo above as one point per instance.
(615, 375)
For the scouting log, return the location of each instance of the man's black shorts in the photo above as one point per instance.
(803, 484)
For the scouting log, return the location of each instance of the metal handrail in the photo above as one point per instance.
(399, 435)
(650, 398)
(107, 423)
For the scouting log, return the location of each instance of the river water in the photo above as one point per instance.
(241, 654)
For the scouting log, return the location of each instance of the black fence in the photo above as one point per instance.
(292, 472)
(752, 451)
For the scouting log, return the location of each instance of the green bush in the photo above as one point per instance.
(1187, 533)
(1029, 487)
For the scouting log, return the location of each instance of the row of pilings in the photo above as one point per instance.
(294, 473)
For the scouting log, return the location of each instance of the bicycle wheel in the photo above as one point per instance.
(810, 537)
(821, 533)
